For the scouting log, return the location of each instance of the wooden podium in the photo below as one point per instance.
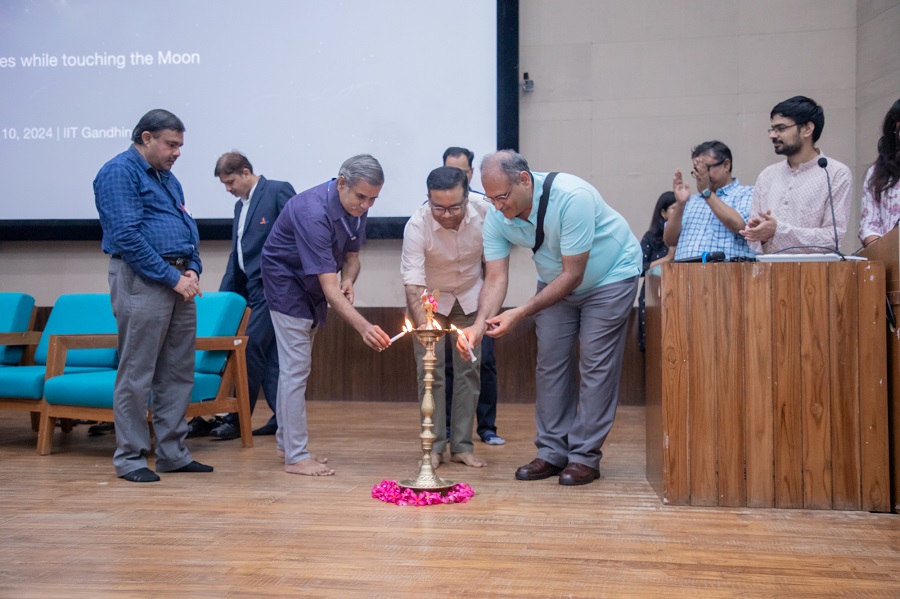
(766, 385)
(887, 250)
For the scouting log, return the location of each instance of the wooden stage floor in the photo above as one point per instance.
(69, 528)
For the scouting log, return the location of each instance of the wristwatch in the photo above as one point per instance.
(706, 193)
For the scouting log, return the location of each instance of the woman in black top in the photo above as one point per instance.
(654, 250)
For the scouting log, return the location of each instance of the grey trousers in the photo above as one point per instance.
(157, 341)
(466, 387)
(573, 423)
(295, 342)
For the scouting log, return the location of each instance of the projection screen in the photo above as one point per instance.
(296, 85)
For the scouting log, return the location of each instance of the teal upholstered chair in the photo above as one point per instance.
(22, 386)
(220, 372)
(16, 319)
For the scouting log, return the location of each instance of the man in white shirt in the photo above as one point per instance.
(442, 251)
(791, 211)
(486, 409)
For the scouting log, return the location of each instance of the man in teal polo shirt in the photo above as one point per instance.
(588, 265)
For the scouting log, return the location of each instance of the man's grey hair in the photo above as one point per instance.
(362, 167)
(510, 162)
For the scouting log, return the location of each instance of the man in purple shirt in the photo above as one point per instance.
(317, 235)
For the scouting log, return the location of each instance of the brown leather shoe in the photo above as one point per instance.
(578, 474)
(538, 469)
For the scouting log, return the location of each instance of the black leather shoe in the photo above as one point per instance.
(226, 431)
(269, 428)
(578, 474)
(538, 469)
(198, 427)
(101, 428)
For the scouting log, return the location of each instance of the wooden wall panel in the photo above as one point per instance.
(729, 369)
(758, 392)
(653, 361)
(843, 370)
(701, 366)
(893, 353)
(786, 369)
(344, 368)
(873, 411)
(675, 291)
(815, 390)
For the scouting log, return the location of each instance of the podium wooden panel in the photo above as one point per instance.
(887, 250)
(766, 385)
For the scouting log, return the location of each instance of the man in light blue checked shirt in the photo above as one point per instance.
(710, 220)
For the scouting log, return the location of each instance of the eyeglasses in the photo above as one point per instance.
(709, 166)
(441, 210)
(779, 129)
(497, 199)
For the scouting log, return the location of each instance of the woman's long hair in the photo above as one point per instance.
(887, 166)
(658, 223)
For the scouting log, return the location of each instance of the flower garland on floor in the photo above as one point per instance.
(389, 491)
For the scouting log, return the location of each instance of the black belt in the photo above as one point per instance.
(179, 263)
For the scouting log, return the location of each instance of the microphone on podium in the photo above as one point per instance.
(823, 162)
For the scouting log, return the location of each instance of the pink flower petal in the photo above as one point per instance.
(389, 491)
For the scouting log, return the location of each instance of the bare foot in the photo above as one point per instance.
(319, 458)
(468, 458)
(308, 467)
(436, 460)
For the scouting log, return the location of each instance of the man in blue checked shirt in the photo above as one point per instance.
(154, 276)
(710, 220)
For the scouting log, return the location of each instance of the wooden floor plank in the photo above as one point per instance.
(69, 528)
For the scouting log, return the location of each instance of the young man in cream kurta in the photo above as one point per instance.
(442, 251)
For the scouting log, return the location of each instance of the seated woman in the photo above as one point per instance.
(881, 188)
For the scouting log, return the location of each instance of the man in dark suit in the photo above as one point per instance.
(259, 203)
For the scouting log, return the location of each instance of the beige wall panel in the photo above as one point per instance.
(879, 45)
(818, 61)
(778, 16)
(561, 72)
(867, 10)
(652, 20)
(532, 110)
(884, 90)
(558, 146)
(661, 69)
(700, 103)
(550, 23)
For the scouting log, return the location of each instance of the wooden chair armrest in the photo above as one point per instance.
(85, 341)
(221, 343)
(25, 338)
(61, 344)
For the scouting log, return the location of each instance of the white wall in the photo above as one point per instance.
(624, 89)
